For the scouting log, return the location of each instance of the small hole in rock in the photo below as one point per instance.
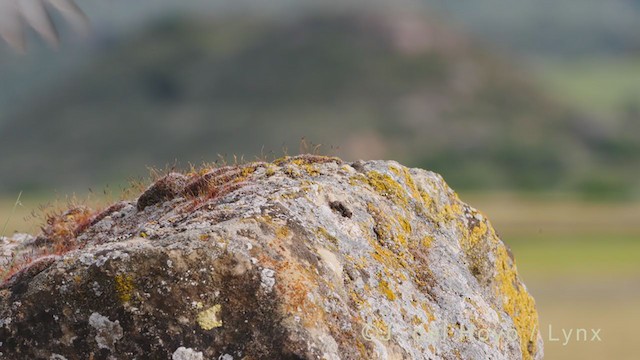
(340, 208)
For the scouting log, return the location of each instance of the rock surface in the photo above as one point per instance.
(303, 258)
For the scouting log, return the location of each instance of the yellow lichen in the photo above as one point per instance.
(246, 171)
(387, 257)
(450, 330)
(310, 169)
(383, 330)
(270, 171)
(426, 308)
(427, 241)
(384, 287)
(382, 223)
(517, 302)
(292, 172)
(282, 232)
(394, 170)
(387, 186)
(357, 180)
(427, 200)
(514, 298)
(405, 225)
(281, 160)
(402, 240)
(474, 237)
(210, 318)
(324, 233)
(452, 211)
(124, 287)
(408, 181)
(405, 231)
(362, 349)
(391, 246)
(358, 300)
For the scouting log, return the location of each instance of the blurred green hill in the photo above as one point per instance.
(390, 84)
(551, 28)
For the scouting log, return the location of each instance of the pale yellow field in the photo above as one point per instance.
(30, 211)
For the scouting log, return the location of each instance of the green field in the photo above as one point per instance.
(605, 86)
(580, 260)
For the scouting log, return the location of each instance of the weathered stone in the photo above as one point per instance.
(303, 258)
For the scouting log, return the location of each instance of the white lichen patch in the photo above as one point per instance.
(108, 332)
(267, 279)
(183, 353)
(97, 289)
(5, 322)
(331, 261)
(197, 304)
(11, 247)
(113, 255)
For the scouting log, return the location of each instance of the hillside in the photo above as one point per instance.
(551, 28)
(397, 85)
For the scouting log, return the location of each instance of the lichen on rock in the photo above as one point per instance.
(107, 332)
(210, 318)
(183, 353)
(307, 257)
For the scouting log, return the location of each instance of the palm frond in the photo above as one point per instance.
(15, 15)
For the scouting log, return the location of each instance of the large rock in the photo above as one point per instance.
(303, 258)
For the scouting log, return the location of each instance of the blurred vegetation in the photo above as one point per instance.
(608, 86)
(365, 84)
(551, 28)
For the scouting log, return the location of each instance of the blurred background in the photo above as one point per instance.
(530, 109)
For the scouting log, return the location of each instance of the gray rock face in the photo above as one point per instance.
(303, 258)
